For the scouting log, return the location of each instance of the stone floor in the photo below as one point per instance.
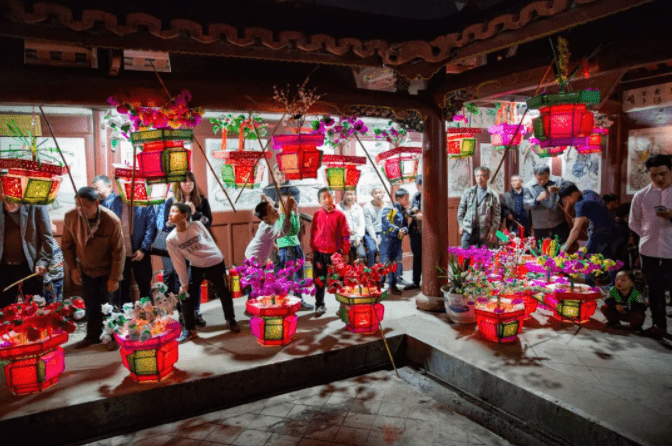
(377, 409)
(618, 378)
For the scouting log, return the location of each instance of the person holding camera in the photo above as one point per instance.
(651, 219)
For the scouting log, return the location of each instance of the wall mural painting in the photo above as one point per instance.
(528, 161)
(74, 150)
(642, 144)
(459, 176)
(491, 159)
(583, 170)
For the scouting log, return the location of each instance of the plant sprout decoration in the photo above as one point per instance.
(296, 106)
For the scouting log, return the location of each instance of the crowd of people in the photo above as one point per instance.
(103, 254)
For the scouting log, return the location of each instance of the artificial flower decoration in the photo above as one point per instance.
(174, 114)
(336, 133)
(393, 133)
(265, 282)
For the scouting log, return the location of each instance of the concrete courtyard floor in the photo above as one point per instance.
(612, 377)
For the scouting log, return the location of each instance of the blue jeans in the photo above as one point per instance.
(391, 251)
(371, 249)
(53, 291)
(290, 253)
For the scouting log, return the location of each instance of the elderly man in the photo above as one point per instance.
(479, 212)
(26, 247)
(93, 248)
(541, 198)
(651, 219)
(514, 214)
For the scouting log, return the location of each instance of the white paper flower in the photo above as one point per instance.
(107, 309)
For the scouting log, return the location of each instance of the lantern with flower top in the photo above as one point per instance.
(507, 131)
(299, 158)
(399, 164)
(146, 193)
(461, 141)
(341, 171)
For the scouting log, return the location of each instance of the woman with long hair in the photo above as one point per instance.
(186, 192)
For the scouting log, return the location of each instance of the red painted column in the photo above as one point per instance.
(434, 210)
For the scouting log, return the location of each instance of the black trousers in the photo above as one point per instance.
(215, 274)
(416, 248)
(10, 274)
(94, 291)
(658, 274)
(321, 262)
(142, 272)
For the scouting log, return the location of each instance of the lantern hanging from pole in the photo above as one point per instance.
(460, 142)
(146, 193)
(505, 135)
(564, 120)
(400, 165)
(164, 158)
(546, 152)
(242, 168)
(342, 172)
(299, 158)
(30, 182)
(596, 142)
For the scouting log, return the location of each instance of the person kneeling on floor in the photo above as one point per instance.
(624, 303)
(191, 242)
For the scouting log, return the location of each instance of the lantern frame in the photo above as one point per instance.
(30, 182)
(499, 327)
(146, 193)
(239, 165)
(506, 135)
(596, 142)
(361, 314)
(341, 172)
(564, 119)
(163, 159)
(400, 164)
(460, 141)
(299, 158)
(572, 306)
(273, 324)
(154, 359)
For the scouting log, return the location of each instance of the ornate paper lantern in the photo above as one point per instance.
(342, 172)
(30, 182)
(273, 324)
(564, 120)
(163, 158)
(146, 193)
(572, 306)
(361, 314)
(154, 359)
(242, 168)
(400, 164)
(33, 367)
(504, 134)
(460, 142)
(596, 142)
(546, 152)
(499, 327)
(299, 158)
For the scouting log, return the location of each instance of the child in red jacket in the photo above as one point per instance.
(329, 233)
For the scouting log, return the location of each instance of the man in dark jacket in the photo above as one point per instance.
(514, 214)
(137, 242)
(26, 247)
(415, 232)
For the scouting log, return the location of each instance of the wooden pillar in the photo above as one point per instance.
(435, 212)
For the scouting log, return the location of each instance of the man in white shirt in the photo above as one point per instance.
(355, 217)
(191, 242)
(651, 219)
(261, 245)
(373, 214)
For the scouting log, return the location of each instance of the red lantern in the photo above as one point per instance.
(597, 141)
(400, 164)
(299, 158)
(342, 172)
(33, 367)
(572, 306)
(242, 168)
(274, 321)
(460, 142)
(163, 158)
(146, 194)
(154, 359)
(506, 135)
(30, 182)
(499, 327)
(564, 120)
(361, 314)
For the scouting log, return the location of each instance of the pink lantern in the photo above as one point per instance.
(596, 142)
(503, 135)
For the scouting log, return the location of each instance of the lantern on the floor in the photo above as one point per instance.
(361, 314)
(35, 366)
(299, 158)
(146, 193)
(576, 305)
(499, 321)
(30, 182)
(564, 120)
(274, 319)
(596, 142)
(461, 142)
(163, 159)
(400, 165)
(341, 171)
(503, 135)
(154, 359)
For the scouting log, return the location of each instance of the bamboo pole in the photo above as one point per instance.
(374, 168)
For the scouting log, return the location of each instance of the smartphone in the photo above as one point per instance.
(660, 209)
